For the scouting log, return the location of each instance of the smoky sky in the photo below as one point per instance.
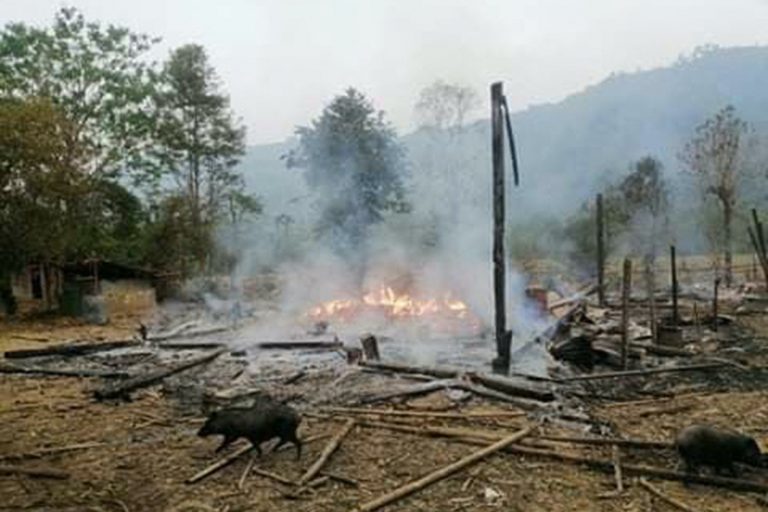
(283, 60)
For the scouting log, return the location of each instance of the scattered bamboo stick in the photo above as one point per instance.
(617, 470)
(9, 368)
(632, 443)
(483, 438)
(493, 436)
(432, 431)
(331, 447)
(50, 451)
(70, 349)
(240, 451)
(341, 478)
(428, 414)
(36, 472)
(219, 464)
(417, 389)
(647, 371)
(663, 497)
(607, 466)
(272, 476)
(443, 472)
(247, 470)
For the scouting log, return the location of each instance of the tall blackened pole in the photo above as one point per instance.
(503, 338)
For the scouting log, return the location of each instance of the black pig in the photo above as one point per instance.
(263, 421)
(705, 445)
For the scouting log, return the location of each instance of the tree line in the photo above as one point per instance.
(104, 154)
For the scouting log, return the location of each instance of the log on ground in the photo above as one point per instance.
(123, 389)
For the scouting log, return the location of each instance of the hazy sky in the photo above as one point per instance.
(282, 60)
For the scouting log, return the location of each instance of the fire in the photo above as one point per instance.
(392, 304)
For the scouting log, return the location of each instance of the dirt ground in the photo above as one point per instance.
(135, 456)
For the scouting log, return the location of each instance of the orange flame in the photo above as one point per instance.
(393, 305)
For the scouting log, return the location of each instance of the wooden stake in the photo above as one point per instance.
(370, 347)
(760, 256)
(444, 472)
(651, 285)
(625, 292)
(663, 497)
(673, 264)
(600, 252)
(331, 447)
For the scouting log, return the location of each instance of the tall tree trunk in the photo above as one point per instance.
(727, 219)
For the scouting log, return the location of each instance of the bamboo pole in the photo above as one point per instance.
(443, 472)
(229, 459)
(647, 371)
(331, 447)
(663, 497)
(428, 414)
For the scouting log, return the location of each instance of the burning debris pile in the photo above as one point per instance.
(392, 305)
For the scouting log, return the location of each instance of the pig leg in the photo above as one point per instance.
(226, 442)
(295, 440)
(290, 437)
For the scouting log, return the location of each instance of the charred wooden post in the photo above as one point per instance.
(650, 278)
(673, 263)
(370, 347)
(757, 236)
(625, 291)
(503, 338)
(759, 231)
(600, 252)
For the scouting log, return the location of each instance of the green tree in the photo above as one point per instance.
(352, 160)
(201, 143)
(715, 156)
(42, 187)
(99, 80)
